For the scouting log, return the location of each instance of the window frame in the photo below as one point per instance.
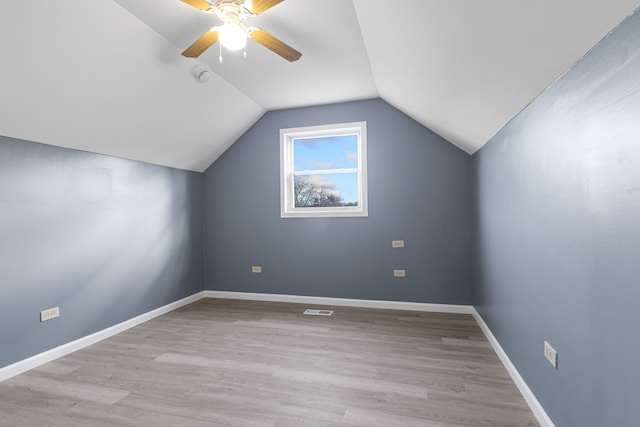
(287, 171)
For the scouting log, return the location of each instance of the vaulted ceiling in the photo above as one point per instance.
(107, 76)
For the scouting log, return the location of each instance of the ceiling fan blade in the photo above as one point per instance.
(202, 44)
(199, 4)
(258, 6)
(275, 45)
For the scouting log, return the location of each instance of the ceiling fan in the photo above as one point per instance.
(233, 33)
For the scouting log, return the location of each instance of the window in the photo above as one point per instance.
(323, 171)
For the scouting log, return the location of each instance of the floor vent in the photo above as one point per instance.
(318, 312)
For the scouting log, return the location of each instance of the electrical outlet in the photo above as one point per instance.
(551, 354)
(49, 314)
(397, 243)
(399, 273)
(256, 269)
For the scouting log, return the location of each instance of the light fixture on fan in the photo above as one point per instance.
(233, 36)
(233, 33)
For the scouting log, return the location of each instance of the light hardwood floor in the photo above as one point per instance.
(244, 363)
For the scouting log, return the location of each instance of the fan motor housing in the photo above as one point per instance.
(231, 10)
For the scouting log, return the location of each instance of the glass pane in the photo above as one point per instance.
(337, 189)
(330, 152)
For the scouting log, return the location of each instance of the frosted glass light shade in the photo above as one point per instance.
(232, 36)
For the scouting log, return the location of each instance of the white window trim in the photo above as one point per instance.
(287, 205)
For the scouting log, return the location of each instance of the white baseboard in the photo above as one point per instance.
(526, 392)
(57, 352)
(343, 302)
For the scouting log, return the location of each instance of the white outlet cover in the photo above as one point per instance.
(256, 269)
(49, 314)
(399, 273)
(551, 354)
(397, 243)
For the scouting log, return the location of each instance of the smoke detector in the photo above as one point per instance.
(202, 73)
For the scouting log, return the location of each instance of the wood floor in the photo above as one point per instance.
(244, 363)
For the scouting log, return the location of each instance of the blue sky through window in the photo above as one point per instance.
(331, 152)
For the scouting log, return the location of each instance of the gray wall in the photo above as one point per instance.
(557, 237)
(419, 191)
(105, 239)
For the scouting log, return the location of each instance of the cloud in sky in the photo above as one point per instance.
(351, 156)
(316, 164)
(308, 142)
(321, 183)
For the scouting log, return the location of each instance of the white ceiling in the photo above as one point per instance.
(107, 76)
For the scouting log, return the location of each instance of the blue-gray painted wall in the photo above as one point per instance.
(104, 239)
(557, 237)
(419, 191)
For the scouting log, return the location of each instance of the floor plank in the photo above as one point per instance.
(221, 362)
